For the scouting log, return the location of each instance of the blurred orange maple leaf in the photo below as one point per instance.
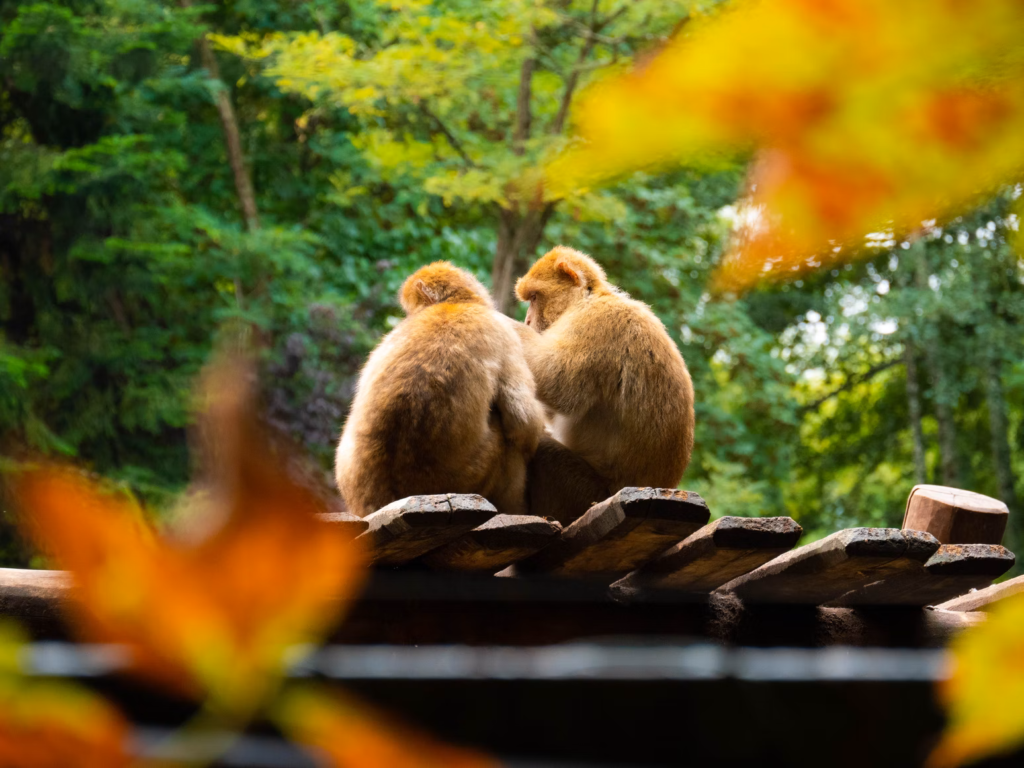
(353, 735)
(868, 114)
(984, 692)
(215, 616)
(54, 725)
(50, 724)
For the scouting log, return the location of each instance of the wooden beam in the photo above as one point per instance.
(618, 534)
(346, 521)
(984, 599)
(827, 569)
(717, 553)
(411, 527)
(954, 516)
(422, 606)
(35, 599)
(953, 570)
(501, 541)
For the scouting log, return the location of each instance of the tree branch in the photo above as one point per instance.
(232, 138)
(454, 142)
(523, 115)
(591, 38)
(851, 382)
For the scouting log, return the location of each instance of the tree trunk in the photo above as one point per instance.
(518, 238)
(232, 139)
(914, 405)
(1000, 441)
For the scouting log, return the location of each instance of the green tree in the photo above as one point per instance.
(465, 99)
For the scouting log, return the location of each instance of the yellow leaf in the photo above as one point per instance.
(983, 694)
(862, 120)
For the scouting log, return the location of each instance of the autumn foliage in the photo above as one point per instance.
(215, 611)
(864, 116)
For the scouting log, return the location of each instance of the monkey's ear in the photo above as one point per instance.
(428, 295)
(572, 271)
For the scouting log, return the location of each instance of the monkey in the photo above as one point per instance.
(444, 404)
(618, 395)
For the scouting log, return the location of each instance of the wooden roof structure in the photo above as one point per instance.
(644, 633)
(647, 562)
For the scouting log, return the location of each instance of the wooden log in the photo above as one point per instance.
(417, 607)
(501, 541)
(827, 569)
(411, 527)
(954, 516)
(718, 553)
(35, 598)
(952, 570)
(346, 521)
(984, 599)
(618, 534)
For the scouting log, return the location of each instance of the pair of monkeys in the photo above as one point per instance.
(456, 398)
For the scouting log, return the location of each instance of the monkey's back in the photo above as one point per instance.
(421, 420)
(641, 431)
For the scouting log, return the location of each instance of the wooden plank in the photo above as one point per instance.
(984, 599)
(346, 521)
(827, 569)
(618, 534)
(717, 553)
(411, 527)
(501, 541)
(35, 599)
(955, 516)
(952, 570)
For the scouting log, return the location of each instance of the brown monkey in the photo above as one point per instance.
(617, 391)
(444, 404)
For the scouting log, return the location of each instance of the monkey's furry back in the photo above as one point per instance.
(422, 418)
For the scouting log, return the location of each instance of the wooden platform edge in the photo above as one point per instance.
(984, 599)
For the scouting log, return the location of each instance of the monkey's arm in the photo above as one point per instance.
(522, 418)
(568, 366)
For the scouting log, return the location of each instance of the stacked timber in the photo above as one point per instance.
(649, 546)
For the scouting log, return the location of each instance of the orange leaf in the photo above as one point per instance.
(216, 615)
(353, 735)
(863, 120)
(53, 725)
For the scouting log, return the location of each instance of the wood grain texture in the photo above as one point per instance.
(984, 599)
(827, 569)
(716, 554)
(618, 534)
(406, 529)
(953, 570)
(501, 541)
(954, 516)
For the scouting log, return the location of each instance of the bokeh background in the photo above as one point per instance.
(289, 170)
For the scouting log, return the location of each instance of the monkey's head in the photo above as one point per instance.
(441, 282)
(559, 279)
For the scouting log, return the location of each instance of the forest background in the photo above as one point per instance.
(158, 186)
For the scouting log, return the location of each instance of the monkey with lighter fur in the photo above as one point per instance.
(617, 392)
(445, 403)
